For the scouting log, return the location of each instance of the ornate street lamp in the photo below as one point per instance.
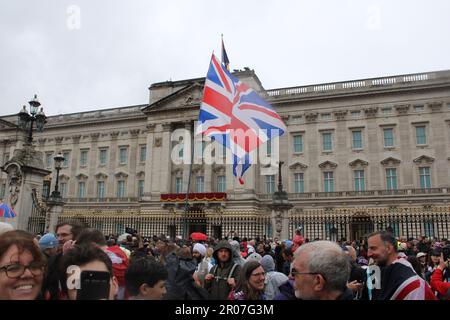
(26, 119)
(280, 199)
(59, 160)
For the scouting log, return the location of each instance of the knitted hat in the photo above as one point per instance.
(254, 256)
(267, 263)
(200, 249)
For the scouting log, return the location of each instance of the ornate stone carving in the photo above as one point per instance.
(358, 162)
(196, 168)
(150, 127)
(114, 135)
(42, 141)
(311, 117)
(76, 138)
(402, 109)
(424, 159)
(218, 168)
(134, 133)
(328, 165)
(158, 142)
(59, 140)
(121, 175)
(390, 161)
(167, 126)
(94, 136)
(101, 175)
(371, 112)
(15, 181)
(340, 114)
(435, 106)
(81, 176)
(297, 165)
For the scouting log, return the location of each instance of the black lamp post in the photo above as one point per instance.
(280, 199)
(26, 119)
(59, 160)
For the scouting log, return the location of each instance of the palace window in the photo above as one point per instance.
(270, 184)
(83, 158)
(299, 183)
(327, 141)
(391, 179)
(388, 134)
(357, 139)
(425, 179)
(328, 181)
(359, 180)
(298, 143)
(221, 184)
(421, 137)
(81, 189)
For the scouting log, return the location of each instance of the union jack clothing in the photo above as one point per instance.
(399, 281)
(235, 116)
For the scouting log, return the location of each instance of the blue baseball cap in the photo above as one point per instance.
(48, 241)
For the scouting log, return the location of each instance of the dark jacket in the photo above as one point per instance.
(180, 284)
(50, 286)
(218, 288)
(287, 291)
(346, 295)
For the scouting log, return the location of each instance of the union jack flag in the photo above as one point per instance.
(235, 116)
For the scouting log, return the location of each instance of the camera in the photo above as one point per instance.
(446, 252)
(130, 230)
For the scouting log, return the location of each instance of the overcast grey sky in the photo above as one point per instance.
(87, 55)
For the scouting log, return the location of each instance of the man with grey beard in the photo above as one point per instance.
(321, 270)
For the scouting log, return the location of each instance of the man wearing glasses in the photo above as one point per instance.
(66, 233)
(321, 270)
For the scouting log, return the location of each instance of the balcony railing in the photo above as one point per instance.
(363, 83)
(359, 194)
(101, 200)
(220, 196)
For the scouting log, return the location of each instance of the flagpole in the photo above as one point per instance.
(186, 205)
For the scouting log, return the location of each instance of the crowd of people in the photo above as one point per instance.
(77, 262)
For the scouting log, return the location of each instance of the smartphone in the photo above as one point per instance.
(95, 285)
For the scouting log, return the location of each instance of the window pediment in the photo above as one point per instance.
(81, 176)
(358, 163)
(390, 161)
(121, 174)
(297, 165)
(328, 165)
(101, 175)
(64, 177)
(423, 159)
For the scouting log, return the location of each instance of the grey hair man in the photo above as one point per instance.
(321, 270)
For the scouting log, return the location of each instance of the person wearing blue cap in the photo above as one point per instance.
(49, 245)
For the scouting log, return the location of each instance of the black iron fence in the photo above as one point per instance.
(334, 224)
(37, 220)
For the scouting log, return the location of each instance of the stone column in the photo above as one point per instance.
(110, 188)
(150, 161)
(72, 190)
(55, 208)
(93, 156)
(132, 164)
(280, 223)
(161, 173)
(25, 172)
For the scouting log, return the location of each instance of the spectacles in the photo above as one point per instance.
(16, 270)
(258, 274)
(295, 273)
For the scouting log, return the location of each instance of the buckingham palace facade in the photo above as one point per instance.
(359, 156)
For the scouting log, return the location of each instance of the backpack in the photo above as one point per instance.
(230, 274)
